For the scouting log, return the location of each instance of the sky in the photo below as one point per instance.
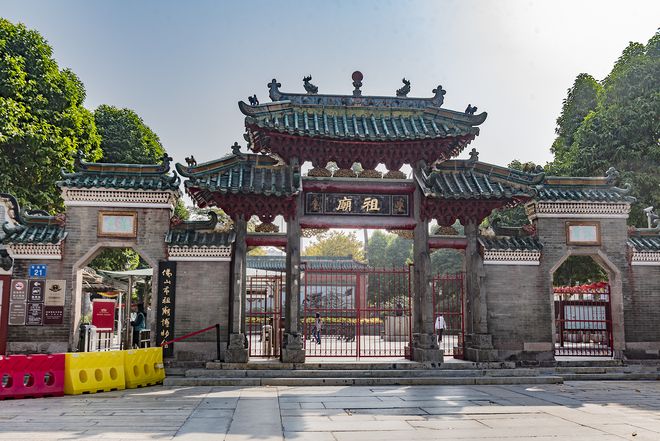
(184, 65)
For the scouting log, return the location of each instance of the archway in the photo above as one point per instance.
(587, 306)
(115, 258)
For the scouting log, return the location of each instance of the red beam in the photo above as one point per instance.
(454, 242)
(266, 240)
(333, 185)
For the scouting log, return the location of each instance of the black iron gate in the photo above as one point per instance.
(363, 313)
(583, 320)
(448, 313)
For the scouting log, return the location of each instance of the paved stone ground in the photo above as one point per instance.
(600, 411)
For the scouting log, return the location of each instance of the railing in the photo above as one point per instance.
(201, 331)
(99, 339)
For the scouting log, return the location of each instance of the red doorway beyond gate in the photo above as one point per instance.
(364, 312)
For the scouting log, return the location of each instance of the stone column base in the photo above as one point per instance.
(479, 347)
(292, 350)
(425, 349)
(237, 351)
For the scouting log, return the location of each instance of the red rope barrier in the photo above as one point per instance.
(192, 334)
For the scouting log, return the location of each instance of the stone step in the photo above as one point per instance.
(619, 376)
(360, 381)
(364, 373)
(400, 365)
(600, 362)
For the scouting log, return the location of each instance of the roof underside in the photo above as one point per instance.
(310, 263)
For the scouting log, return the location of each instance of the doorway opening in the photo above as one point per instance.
(582, 309)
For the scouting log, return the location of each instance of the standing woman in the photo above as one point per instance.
(318, 324)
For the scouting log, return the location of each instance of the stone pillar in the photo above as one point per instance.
(479, 343)
(237, 351)
(424, 343)
(292, 350)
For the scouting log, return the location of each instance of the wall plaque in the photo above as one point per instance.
(583, 233)
(117, 224)
(36, 291)
(55, 290)
(17, 313)
(34, 315)
(19, 289)
(53, 315)
(357, 204)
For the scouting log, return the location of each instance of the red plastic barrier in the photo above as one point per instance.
(31, 376)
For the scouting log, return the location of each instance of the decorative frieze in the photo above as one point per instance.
(570, 209)
(512, 257)
(102, 197)
(220, 253)
(47, 251)
(645, 258)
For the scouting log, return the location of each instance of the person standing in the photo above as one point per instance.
(318, 324)
(440, 326)
(139, 323)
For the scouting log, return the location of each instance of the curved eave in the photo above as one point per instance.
(191, 186)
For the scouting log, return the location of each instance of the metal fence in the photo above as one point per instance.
(448, 301)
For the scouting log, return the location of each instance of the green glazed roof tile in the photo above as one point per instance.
(31, 227)
(645, 243)
(193, 238)
(309, 263)
(512, 243)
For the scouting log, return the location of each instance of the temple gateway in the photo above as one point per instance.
(505, 303)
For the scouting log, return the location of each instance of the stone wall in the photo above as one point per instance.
(202, 300)
(81, 246)
(642, 312)
(519, 314)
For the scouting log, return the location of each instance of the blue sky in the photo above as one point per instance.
(184, 65)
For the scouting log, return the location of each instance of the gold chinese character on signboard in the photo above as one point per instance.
(165, 333)
(399, 206)
(167, 273)
(165, 310)
(167, 300)
(371, 205)
(344, 204)
(167, 282)
(166, 290)
(165, 322)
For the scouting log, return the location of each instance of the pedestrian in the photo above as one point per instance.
(318, 324)
(440, 326)
(139, 323)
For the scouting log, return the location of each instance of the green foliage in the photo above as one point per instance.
(621, 130)
(578, 270)
(180, 210)
(42, 119)
(125, 138)
(515, 216)
(388, 250)
(117, 259)
(336, 243)
(446, 261)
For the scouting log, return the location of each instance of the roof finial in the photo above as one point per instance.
(166, 162)
(612, 175)
(309, 87)
(474, 157)
(357, 82)
(470, 109)
(236, 150)
(274, 88)
(254, 101)
(403, 92)
(439, 97)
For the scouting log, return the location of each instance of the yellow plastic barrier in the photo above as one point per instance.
(91, 372)
(144, 367)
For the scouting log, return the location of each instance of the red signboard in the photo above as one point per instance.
(103, 313)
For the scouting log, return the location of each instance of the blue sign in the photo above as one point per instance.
(38, 270)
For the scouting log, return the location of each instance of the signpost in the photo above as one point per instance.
(38, 271)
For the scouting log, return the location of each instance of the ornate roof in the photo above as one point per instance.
(645, 243)
(121, 176)
(31, 227)
(370, 121)
(199, 233)
(510, 243)
(218, 182)
(594, 189)
(310, 263)
(471, 179)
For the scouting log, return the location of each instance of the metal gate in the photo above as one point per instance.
(363, 313)
(263, 319)
(583, 320)
(448, 307)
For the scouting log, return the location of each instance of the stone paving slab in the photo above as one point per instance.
(586, 411)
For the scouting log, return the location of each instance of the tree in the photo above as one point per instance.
(336, 243)
(42, 119)
(580, 270)
(515, 216)
(622, 130)
(125, 138)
